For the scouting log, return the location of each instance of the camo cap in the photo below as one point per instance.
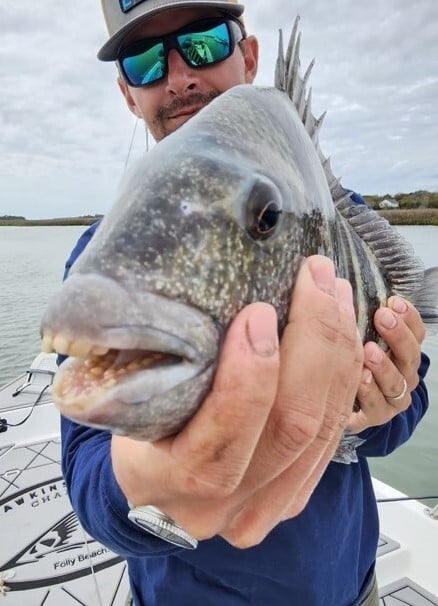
(121, 16)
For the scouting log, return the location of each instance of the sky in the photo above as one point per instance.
(65, 132)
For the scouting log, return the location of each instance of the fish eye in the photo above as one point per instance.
(263, 211)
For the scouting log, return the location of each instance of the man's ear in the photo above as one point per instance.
(130, 102)
(251, 56)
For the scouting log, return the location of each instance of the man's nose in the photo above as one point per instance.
(181, 78)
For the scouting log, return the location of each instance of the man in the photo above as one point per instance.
(251, 475)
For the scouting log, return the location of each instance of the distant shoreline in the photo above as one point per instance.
(48, 222)
(418, 216)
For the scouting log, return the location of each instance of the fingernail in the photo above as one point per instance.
(399, 305)
(323, 274)
(262, 330)
(388, 319)
(376, 357)
(367, 376)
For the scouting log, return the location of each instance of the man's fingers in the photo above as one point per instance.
(383, 392)
(403, 335)
(391, 384)
(375, 408)
(215, 447)
(372, 407)
(287, 494)
(410, 316)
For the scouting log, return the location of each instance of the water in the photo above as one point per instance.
(413, 467)
(31, 267)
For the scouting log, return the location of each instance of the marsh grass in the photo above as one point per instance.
(397, 216)
(417, 216)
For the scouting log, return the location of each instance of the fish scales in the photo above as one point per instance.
(218, 215)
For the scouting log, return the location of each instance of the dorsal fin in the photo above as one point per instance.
(288, 79)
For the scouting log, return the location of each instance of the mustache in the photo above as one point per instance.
(179, 104)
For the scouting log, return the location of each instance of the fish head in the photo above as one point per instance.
(218, 215)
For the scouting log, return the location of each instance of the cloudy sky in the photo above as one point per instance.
(65, 132)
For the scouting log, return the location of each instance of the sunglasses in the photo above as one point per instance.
(200, 44)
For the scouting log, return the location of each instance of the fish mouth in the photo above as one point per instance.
(84, 381)
(144, 378)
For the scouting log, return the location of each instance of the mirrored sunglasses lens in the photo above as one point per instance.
(206, 47)
(145, 67)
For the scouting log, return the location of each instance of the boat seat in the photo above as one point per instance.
(39, 375)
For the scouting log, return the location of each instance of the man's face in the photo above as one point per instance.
(167, 104)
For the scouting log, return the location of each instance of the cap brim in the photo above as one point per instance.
(111, 48)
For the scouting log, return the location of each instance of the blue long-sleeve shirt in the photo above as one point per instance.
(323, 557)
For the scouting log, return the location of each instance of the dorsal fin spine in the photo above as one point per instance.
(289, 80)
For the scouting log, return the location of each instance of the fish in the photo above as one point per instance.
(217, 215)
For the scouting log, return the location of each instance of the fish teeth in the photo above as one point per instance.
(96, 371)
(99, 351)
(47, 344)
(79, 348)
(61, 345)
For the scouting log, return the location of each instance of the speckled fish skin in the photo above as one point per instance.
(177, 253)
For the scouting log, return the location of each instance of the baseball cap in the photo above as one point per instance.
(122, 16)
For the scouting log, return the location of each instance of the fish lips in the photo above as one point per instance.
(146, 403)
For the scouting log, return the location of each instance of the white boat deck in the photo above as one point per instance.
(406, 568)
(46, 558)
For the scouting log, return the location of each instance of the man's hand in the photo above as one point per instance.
(384, 374)
(255, 450)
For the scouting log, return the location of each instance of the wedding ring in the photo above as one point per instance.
(401, 394)
(156, 522)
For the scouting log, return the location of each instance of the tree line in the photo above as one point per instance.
(416, 199)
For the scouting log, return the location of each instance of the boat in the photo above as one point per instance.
(408, 543)
(47, 558)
